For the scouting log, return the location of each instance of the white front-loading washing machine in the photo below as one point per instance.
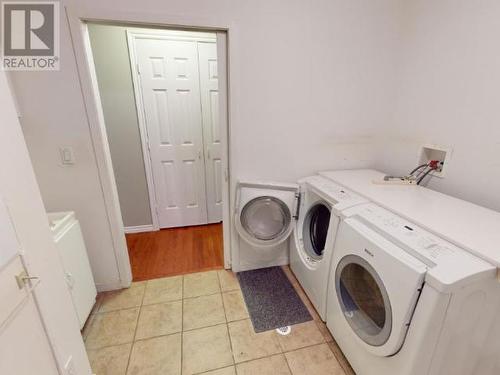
(311, 246)
(404, 301)
(264, 219)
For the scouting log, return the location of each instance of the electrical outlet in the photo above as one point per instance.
(69, 367)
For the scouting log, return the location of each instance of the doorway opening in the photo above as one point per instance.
(159, 91)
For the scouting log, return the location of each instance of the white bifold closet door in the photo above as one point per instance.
(209, 87)
(180, 109)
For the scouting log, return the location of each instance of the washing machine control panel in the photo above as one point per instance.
(427, 247)
(341, 197)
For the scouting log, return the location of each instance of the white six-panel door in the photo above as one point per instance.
(169, 79)
(207, 53)
(179, 96)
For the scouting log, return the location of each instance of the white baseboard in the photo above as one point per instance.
(117, 285)
(139, 229)
(113, 285)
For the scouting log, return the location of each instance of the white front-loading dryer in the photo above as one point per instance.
(264, 218)
(311, 247)
(377, 285)
(402, 301)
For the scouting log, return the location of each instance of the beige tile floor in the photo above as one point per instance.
(198, 324)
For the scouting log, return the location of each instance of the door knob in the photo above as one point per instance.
(23, 278)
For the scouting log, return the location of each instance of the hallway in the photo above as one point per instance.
(175, 251)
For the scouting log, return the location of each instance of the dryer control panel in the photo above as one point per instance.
(340, 197)
(445, 260)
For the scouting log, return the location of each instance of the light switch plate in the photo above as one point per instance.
(67, 155)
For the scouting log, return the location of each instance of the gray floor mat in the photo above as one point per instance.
(271, 300)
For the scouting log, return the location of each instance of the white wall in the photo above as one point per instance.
(448, 94)
(20, 192)
(312, 83)
(309, 88)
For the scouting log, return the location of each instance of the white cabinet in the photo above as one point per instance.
(71, 246)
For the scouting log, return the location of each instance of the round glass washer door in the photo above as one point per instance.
(266, 219)
(363, 300)
(315, 230)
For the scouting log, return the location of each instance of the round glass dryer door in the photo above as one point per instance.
(364, 300)
(315, 230)
(266, 218)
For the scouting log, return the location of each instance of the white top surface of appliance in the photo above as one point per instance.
(58, 221)
(475, 228)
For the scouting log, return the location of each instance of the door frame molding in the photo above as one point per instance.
(77, 16)
(132, 35)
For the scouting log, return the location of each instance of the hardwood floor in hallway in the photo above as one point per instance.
(175, 251)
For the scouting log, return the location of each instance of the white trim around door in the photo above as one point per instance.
(223, 67)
